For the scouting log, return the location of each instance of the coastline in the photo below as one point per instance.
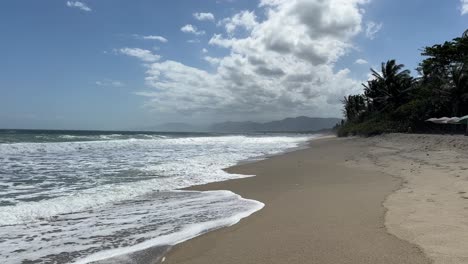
(154, 252)
(318, 210)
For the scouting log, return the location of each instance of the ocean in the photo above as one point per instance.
(87, 196)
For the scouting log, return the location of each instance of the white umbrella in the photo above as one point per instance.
(442, 120)
(463, 120)
(453, 120)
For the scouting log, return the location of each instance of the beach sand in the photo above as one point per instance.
(321, 207)
(431, 208)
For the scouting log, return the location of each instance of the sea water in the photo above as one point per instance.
(85, 196)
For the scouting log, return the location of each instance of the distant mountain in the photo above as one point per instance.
(177, 127)
(298, 124)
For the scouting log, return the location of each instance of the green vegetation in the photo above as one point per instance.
(395, 101)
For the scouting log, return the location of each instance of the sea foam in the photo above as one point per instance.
(121, 191)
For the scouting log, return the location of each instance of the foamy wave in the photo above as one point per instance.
(187, 232)
(119, 186)
(159, 219)
(26, 212)
(155, 165)
(106, 137)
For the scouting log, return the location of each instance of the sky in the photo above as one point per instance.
(119, 64)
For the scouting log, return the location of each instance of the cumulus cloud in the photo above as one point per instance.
(204, 16)
(244, 19)
(277, 66)
(464, 7)
(204, 50)
(79, 5)
(212, 60)
(372, 29)
(361, 61)
(192, 29)
(142, 54)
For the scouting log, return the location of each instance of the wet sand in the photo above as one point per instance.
(320, 208)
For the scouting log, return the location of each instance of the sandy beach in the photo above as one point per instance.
(389, 199)
(431, 208)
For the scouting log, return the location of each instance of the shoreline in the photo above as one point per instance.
(156, 253)
(297, 241)
(300, 146)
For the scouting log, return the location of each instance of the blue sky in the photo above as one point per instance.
(115, 64)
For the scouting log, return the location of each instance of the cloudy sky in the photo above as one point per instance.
(119, 64)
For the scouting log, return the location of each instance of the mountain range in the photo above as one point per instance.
(297, 124)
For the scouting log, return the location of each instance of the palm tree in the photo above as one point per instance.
(390, 86)
(375, 97)
(455, 89)
(354, 107)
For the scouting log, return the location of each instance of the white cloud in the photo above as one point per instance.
(372, 29)
(78, 4)
(361, 61)
(142, 54)
(152, 37)
(192, 29)
(193, 41)
(244, 19)
(464, 7)
(212, 60)
(204, 50)
(282, 65)
(109, 82)
(204, 16)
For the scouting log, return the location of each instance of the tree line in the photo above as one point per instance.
(395, 101)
